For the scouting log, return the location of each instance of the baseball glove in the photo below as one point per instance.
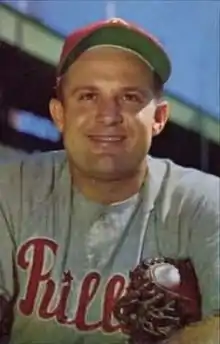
(161, 298)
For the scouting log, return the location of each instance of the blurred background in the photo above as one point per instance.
(31, 36)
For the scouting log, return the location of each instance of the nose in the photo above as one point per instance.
(108, 112)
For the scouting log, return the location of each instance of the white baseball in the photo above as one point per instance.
(166, 275)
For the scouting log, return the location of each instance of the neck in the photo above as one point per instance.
(109, 191)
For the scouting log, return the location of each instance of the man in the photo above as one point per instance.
(74, 223)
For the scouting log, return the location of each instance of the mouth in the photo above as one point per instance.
(107, 138)
(107, 144)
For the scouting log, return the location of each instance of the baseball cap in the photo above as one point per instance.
(119, 33)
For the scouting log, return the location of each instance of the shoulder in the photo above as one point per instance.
(30, 167)
(186, 211)
(185, 194)
(30, 174)
(185, 183)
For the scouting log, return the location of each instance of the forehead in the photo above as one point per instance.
(110, 63)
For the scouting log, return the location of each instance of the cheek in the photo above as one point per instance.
(143, 135)
(146, 119)
(74, 139)
(146, 115)
(143, 124)
(74, 121)
(71, 133)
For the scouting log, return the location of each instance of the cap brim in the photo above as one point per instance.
(128, 38)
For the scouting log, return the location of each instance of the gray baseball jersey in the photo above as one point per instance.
(64, 260)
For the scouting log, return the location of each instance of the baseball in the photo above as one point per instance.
(167, 275)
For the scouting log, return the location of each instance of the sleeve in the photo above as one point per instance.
(204, 242)
(8, 279)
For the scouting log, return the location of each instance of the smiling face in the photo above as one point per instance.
(108, 113)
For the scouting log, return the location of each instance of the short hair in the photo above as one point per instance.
(58, 88)
(158, 85)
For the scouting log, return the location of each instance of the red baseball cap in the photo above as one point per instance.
(116, 32)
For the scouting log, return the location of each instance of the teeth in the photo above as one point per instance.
(107, 138)
(111, 139)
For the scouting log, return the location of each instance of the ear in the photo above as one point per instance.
(161, 117)
(57, 113)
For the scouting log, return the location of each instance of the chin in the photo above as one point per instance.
(110, 174)
(106, 175)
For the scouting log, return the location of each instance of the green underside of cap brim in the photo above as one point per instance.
(126, 38)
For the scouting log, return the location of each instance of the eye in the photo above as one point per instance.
(132, 97)
(87, 96)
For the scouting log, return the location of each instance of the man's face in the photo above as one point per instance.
(109, 113)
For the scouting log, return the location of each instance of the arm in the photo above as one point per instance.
(8, 284)
(204, 253)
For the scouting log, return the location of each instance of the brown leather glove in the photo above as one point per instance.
(162, 297)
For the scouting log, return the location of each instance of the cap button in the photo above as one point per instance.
(118, 21)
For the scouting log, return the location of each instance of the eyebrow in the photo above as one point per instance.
(143, 91)
(76, 89)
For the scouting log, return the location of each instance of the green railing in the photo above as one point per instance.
(40, 41)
